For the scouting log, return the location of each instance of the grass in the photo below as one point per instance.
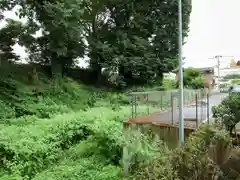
(61, 129)
(55, 130)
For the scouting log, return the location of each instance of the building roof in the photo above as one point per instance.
(204, 69)
(207, 69)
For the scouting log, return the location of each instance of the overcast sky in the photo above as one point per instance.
(214, 29)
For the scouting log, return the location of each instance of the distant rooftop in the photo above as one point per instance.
(203, 69)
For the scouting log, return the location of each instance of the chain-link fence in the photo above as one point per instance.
(195, 112)
(163, 106)
(155, 101)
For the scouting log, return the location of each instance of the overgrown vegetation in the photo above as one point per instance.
(235, 81)
(231, 76)
(227, 113)
(71, 131)
(193, 78)
(56, 128)
(195, 160)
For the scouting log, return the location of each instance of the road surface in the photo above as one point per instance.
(189, 111)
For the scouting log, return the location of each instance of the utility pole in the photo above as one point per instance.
(218, 67)
(180, 39)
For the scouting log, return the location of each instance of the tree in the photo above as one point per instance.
(9, 35)
(193, 78)
(139, 39)
(228, 112)
(60, 22)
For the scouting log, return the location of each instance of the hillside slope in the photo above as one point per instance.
(60, 129)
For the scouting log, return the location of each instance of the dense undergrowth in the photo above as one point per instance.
(60, 129)
(56, 130)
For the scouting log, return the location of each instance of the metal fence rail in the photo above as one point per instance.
(156, 101)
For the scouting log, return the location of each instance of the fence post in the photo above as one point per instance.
(135, 108)
(196, 99)
(148, 105)
(132, 106)
(208, 108)
(161, 101)
(172, 106)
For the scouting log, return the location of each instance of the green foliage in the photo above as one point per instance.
(191, 161)
(55, 129)
(169, 84)
(227, 113)
(235, 81)
(8, 37)
(44, 98)
(29, 148)
(193, 78)
(81, 169)
(231, 76)
(138, 40)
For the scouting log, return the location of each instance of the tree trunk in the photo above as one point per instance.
(56, 68)
(97, 71)
(127, 75)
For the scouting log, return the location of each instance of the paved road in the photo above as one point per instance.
(189, 111)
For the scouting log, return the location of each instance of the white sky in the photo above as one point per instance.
(214, 29)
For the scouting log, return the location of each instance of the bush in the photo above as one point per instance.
(29, 148)
(52, 97)
(169, 84)
(235, 81)
(227, 113)
(83, 168)
(192, 78)
(192, 161)
(231, 76)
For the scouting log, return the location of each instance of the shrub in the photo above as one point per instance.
(231, 76)
(235, 81)
(192, 78)
(29, 148)
(169, 84)
(227, 113)
(83, 168)
(191, 161)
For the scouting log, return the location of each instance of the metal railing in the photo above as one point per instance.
(145, 103)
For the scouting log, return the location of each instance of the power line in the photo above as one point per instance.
(217, 57)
